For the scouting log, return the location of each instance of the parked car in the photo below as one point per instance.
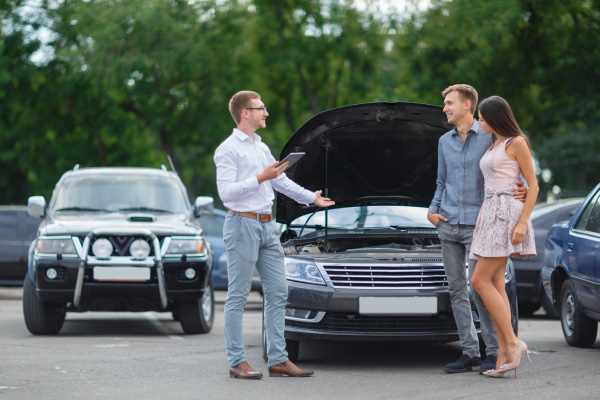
(530, 291)
(119, 239)
(571, 274)
(17, 230)
(213, 231)
(212, 226)
(369, 268)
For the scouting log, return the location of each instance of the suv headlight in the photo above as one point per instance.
(55, 246)
(303, 271)
(194, 245)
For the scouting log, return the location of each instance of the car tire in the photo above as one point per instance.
(293, 349)
(198, 316)
(41, 317)
(264, 335)
(579, 330)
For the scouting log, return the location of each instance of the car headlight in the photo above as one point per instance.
(139, 249)
(102, 248)
(55, 246)
(303, 271)
(187, 246)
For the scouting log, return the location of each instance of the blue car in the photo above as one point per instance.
(212, 226)
(571, 273)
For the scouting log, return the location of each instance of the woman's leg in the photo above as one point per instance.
(498, 281)
(486, 281)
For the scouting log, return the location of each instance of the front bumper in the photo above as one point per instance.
(76, 286)
(334, 315)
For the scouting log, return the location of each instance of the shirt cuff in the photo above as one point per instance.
(434, 209)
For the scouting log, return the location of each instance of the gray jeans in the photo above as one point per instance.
(250, 243)
(456, 244)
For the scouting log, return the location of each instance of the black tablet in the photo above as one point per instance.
(292, 158)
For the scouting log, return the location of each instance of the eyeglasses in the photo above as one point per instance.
(262, 109)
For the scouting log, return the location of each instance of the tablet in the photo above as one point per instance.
(292, 158)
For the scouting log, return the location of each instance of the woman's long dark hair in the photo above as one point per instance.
(497, 113)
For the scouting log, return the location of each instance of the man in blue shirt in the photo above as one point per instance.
(454, 210)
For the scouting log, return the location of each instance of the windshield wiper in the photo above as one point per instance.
(79, 209)
(145, 209)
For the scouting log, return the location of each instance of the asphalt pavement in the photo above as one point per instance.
(147, 356)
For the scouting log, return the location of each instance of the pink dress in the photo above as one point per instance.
(500, 211)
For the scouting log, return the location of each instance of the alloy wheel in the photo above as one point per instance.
(568, 314)
(207, 306)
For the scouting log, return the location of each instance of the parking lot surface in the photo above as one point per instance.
(147, 356)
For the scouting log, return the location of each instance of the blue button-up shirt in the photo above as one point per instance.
(460, 186)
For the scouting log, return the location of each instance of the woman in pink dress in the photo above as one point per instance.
(503, 228)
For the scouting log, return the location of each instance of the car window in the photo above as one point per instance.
(9, 225)
(593, 224)
(212, 225)
(581, 223)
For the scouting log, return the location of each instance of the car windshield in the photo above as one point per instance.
(367, 217)
(144, 193)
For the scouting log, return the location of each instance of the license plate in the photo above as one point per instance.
(422, 305)
(122, 274)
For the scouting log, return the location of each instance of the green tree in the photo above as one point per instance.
(539, 55)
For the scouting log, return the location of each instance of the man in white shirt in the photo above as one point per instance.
(247, 173)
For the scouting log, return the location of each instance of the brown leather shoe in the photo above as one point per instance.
(244, 371)
(289, 369)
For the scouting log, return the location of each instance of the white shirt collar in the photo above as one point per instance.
(242, 136)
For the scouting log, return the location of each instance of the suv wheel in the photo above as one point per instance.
(198, 316)
(579, 330)
(264, 334)
(41, 318)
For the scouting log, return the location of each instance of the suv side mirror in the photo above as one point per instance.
(203, 206)
(36, 206)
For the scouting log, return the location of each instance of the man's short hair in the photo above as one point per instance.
(239, 102)
(464, 92)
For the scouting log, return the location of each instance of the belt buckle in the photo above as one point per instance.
(265, 217)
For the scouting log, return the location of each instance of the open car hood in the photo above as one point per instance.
(364, 154)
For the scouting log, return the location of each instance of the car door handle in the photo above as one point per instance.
(570, 247)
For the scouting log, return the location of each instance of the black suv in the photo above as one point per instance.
(119, 239)
(17, 230)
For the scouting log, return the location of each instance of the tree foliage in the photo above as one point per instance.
(128, 82)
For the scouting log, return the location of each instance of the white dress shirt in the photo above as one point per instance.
(239, 159)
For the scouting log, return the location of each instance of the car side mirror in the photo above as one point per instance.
(203, 206)
(36, 206)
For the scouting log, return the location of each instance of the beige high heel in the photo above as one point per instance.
(495, 373)
(515, 364)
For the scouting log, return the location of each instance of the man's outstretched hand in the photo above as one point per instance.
(323, 201)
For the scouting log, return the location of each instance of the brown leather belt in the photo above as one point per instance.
(248, 214)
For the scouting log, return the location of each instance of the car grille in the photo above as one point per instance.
(431, 274)
(339, 322)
